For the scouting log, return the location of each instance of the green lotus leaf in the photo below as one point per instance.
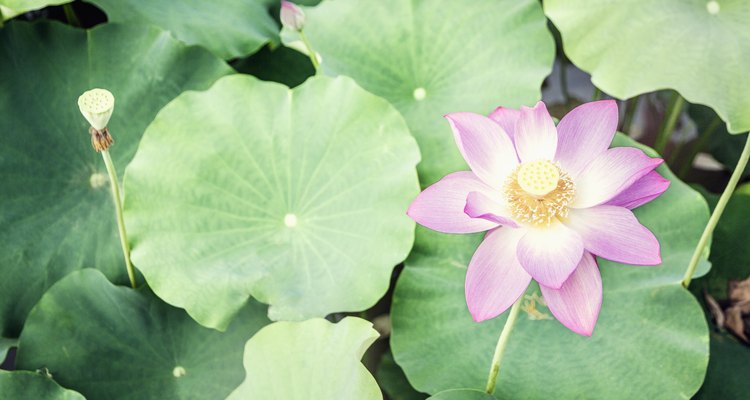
(728, 369)
(730, 254)
(314, 359)
(11, 8)
(462, 394)
(295, 197)
(637, 46)
(229, 28)
(651, 340)
(57, 213)
(5, 345)
(729, 365)
(392, 380)
(429, 58)
(113, 342)
(32, 385)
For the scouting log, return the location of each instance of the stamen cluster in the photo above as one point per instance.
(539, 210)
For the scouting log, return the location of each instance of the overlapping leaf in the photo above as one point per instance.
(57, 214)
(314, 359)
(651, 340)
(229, 28)
(393, 381)
(11, 8)
(32, 385)
(728, 370)
(700, 48)
(294, 197)
(110, 342)
(429, 58)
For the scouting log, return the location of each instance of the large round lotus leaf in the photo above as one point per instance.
(32, 385)
(700, 48)
(229, 28)
(57, 213)
(314, 359)
(651, 340)
(113, 342)
(295, 197)
(11, 8)
(429, 58)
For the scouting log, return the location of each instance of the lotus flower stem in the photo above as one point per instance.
(675, 107)
(627, 121)
(70, 15)
(597, 94)
(114, 184)
(502, 343)
(718, 210)
(310, 52)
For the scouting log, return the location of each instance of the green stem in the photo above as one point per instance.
(310, 52)
(627, 121)
(502, 343)
(70, 15)
(673, 111)
(718, 210)
(597, 94)
(2, 18)
(698, 146)
(114, 184)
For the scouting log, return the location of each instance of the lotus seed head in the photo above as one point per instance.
(538, 178)
(97, 105)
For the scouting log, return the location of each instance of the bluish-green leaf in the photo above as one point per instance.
(229, 28)
(33, 386)
(651, 340)
(57, 213)
(392, 380)
(728, 370)
(429, 58)
(11, 8)
(113, 342)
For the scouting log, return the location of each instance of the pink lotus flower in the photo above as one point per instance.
(551, 198)
(292, 16)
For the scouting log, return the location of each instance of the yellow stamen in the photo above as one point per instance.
(538, 192)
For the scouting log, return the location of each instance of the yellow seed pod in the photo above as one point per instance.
(538, 177)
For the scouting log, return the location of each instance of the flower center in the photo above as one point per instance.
(538, 192)
(538, 178)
